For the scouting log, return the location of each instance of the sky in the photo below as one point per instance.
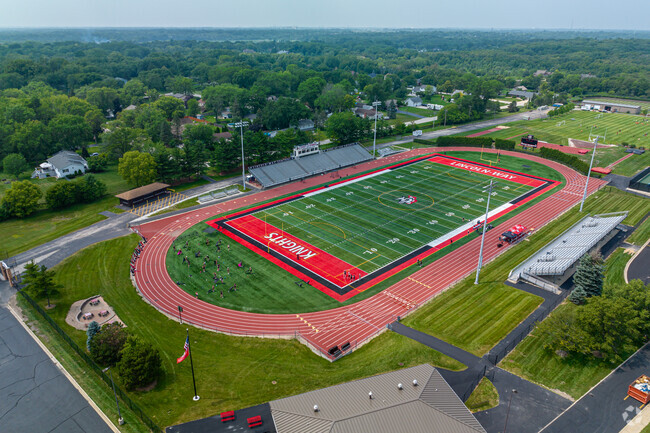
(486, 14)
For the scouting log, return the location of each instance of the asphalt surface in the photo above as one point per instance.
(35, 396)
(639, 269)
(604, 409)
(213, 424)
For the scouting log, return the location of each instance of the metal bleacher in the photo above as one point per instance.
(288, 170)
(558, 256)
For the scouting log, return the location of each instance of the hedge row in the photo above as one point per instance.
(566, 159)
(561, 110)
(464, 141)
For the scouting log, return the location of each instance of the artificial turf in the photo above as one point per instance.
(270, 289)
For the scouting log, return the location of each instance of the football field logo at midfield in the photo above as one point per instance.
(407, 200)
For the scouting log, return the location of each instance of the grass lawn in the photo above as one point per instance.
(641, 234)
(476, 317)
(484, 397)
(421, 111)
(575, 374)
(578, 125)
(232, 372)
(615, 266)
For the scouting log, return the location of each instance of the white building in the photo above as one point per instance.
(413, 101)
(60, 165)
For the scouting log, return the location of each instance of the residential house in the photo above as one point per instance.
(521, 94)
(62, 164)
(413, 101)
(542, 72)
(365, 113)
(306, 125)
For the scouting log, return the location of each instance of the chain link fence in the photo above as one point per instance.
(96, 368)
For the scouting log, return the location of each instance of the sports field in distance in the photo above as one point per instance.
(345, 237)
(617, 127)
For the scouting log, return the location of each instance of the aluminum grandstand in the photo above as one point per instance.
(279, 172)
(549, 267)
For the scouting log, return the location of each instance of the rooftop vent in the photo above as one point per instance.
(370, 395)
(400, 386)
(415, 382)
(316, 408)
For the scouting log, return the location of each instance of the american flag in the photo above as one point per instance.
(186, 348)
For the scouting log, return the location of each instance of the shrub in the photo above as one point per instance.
(61, 195)
(566, 159)
(140, 363)
(107, 344)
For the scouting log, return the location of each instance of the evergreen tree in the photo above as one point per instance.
(93, 328)
(589, 275)
(40, 281)
(140, 363)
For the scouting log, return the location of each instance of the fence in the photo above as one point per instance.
(521, 332)
(97, 369)
(489, 374)
(636, 181)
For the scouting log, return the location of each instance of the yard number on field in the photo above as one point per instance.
(392, 241)
(413, 231)
(370, 251)
(310, 206)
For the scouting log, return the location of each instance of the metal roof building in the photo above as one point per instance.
(429, 406)
(555, 259)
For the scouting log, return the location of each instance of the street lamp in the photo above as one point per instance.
(120, 420)
(375, 104)
(487, 210)
(241, 125)
(593, 154)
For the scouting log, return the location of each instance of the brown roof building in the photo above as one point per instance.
(137, 195)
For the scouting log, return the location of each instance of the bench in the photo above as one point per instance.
(228, 416)
(254, 421)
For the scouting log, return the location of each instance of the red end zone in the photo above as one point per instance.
(300, 252)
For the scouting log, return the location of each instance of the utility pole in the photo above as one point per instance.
(593, 154)
(241, 125)
(480, 254)
(375, 104)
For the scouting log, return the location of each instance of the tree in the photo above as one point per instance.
(97, 163)
(192, 107)
(95, 119)
(103, 98)
(106, 345)
(93, 328)
(124, 139)
(69, 131)
(170, 106)
(610, 326)
(140, 363)
(182, 85)
(14, 164)
(22, 198)
(344, 127)
(283, 113)
(512, 107)
(137, 168)
(89, 189)
(578, 295)
(589, 275)
(310, 89)
(226, 156)
(40, 282)
(61, 195)
(560, 331)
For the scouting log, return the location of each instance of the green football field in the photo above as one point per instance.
(617, 128)
(381, 218)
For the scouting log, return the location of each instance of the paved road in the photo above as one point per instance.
(35, 396)
(471, 127)
(639, 269)
(604, 409)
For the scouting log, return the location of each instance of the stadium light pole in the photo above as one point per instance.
(480, 254)
(593, 154)
(241, 125)
(375, 104)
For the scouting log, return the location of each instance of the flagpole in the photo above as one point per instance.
(189, 348)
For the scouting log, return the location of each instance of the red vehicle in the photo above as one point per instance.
(515, 233)
(640, 389)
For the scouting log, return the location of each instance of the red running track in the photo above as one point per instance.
(356, 323)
